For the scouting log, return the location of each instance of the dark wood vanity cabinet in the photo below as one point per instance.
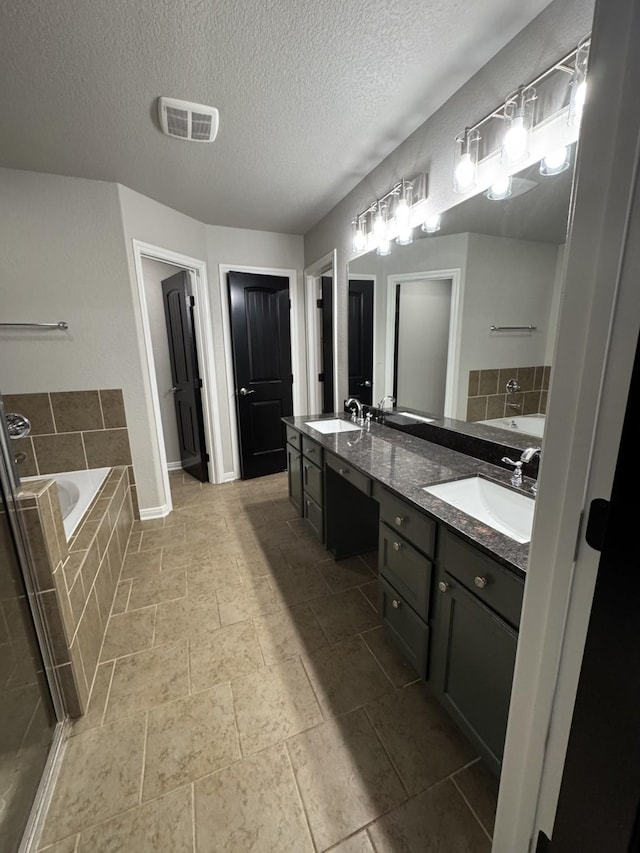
(476, 616)
(313, 486)
(294, 467)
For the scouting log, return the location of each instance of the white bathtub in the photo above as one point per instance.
(76, 490)
(528, 424)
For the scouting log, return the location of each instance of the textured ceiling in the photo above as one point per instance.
(312, 93)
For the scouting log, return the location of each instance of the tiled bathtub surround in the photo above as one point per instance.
(76, 580)
(488, 397)
(72, 431)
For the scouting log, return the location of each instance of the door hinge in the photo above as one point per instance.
(205, 456)
(319, 303)
(199, 383)
(289, 303)
(292, 378)
(597, 523)
(192, 301)
(321, 377)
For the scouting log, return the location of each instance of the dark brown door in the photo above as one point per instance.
(261, 338)
(599, 803)
(361, 340)
(178, 312)
(328, 404)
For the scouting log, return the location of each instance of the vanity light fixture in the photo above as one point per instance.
(579, 83)
(518, 112)
(359, 234)
(402, 214)
(555, 161)
(500, 189)
(432, 224)
(466, 165)
(391, 217)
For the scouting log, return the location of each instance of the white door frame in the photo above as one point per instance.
(204, 347)
(455, 326)
(297, 358)
(312, 275)
(360, 276)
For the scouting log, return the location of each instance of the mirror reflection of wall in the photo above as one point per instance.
(361, 295)
(502, 260)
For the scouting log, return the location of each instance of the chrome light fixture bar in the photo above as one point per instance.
(517, 113)
(393, 216)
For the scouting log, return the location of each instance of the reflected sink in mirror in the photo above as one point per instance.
(332, 425)
(497, 506)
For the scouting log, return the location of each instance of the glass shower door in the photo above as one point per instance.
(27, 719)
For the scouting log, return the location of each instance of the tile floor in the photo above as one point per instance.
(248, 700)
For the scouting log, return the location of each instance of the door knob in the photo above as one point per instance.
(17, 425)
(367, 383)
(174, 389)
(245, 391)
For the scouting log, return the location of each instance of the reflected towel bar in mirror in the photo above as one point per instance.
(62, 326)
(512, 328)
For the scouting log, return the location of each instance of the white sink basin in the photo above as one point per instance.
(505, 510)
(332, 425)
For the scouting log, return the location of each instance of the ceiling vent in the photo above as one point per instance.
(185, 120)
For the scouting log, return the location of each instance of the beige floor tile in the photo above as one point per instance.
(162, 826)
(344, 614)
(251, 570)
(389, 657)
(435, 821)
(121, 597)
(359, 843)
(288, 633)
(423, 741)
(133, 543)
(128, 633)
(206, 576)
(147, 679)
(186, 617)
(345, 676)
(344, 777)
(100, 777)
(229, 652)
(345, 574)
(370, 592)
(295, 585)
(180, 556)
(173, 535)
(165, 586)
(304, 553)
(480, 789)
(189, 739)
(251, 807)
(66, 846)
(98, 701)
(238, 602)
(142, 564)
(272, 704)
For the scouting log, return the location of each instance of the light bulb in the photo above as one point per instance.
(431, 224)
(402, 214)
(515, 139)
(405, 236)
(578, 98)
(384, 248)
(359, 239)
(465, 172)
(555, 161)
(379, 228)
(500, 189)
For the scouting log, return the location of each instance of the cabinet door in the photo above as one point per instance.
(294, 469)
(473, 663)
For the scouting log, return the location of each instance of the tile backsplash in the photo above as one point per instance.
(488, 397)
(72, 431)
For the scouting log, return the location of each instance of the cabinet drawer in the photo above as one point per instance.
(493, 584)
(315, 516)
(356, 478)
(312, 450)
(410, 522)
(293, 437)
(410, 633)
(407, 569)
(312, 481)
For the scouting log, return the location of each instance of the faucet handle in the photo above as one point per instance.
(517, 465)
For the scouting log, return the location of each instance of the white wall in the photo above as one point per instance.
(430, 148)
(508, 283)
(556, 303)
(154, 273)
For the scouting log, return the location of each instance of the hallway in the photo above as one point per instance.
(248, 700)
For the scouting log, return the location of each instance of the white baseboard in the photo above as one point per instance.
(174, 466)
(154, 512)
(230, 477)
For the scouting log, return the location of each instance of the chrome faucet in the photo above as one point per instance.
(516, 477)
(386, 397)
(359, 419)
(529, 453)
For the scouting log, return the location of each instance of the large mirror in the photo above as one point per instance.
(461, 323)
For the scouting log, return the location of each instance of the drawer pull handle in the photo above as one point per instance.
(397, 546)
(443, 586)
(311, 450)
(399, 520)
(480, 582)
(343, 471)
(396, 604)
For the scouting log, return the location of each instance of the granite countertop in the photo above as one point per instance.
(405, 464)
